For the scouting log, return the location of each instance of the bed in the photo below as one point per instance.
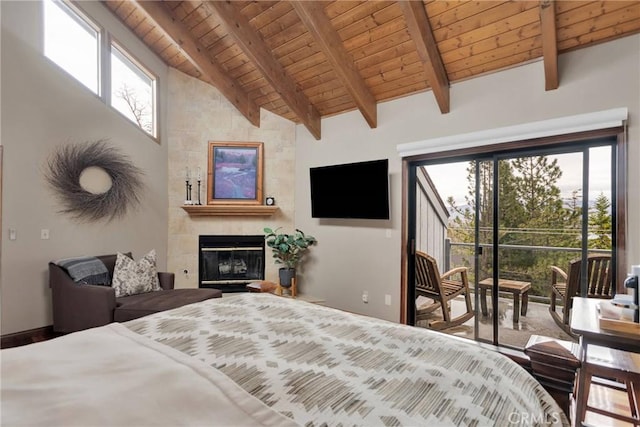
(259, 359)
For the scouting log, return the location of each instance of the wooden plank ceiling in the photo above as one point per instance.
(307, 60)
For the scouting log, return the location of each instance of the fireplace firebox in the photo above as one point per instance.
(228, 263)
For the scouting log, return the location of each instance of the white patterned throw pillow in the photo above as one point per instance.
(135, 277)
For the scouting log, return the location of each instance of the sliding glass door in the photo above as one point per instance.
(512, 219)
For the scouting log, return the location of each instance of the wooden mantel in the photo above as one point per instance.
(230, 210)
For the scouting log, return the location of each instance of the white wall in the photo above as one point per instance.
(353, 256)
(43, 108)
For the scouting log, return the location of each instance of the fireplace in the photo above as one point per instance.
(228, 263)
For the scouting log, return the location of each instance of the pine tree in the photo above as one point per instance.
(462, 226)
(531, 214)
(537, 191)
(573, 217)
(600, 223)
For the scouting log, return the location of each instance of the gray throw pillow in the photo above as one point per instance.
(135, 277)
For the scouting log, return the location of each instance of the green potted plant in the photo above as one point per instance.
(288, 249)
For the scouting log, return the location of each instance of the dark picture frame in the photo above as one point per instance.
(235, 173)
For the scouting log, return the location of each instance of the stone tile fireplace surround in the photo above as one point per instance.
(196, 115)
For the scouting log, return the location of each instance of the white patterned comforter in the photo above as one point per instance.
(320, 366)
(112, 377)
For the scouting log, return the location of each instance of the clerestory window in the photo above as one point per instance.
(74, 42)
(71, 40)
(132, 89)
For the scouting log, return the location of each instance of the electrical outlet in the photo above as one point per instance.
(44, 234)
(365, 297)
(387, 299)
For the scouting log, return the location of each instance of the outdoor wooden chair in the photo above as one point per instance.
(442, 289)
(565, 286)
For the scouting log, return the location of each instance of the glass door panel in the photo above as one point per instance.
(600, 224)
(539, 228)
(444, 230)
(600, 200)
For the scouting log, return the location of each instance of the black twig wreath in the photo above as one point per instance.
(65, 167)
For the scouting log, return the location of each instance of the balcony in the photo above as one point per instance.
(541, 219)
(517, 262)
(538, 321)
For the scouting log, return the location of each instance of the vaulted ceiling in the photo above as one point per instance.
(304, 60)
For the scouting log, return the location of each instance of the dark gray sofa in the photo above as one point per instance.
(77, 307)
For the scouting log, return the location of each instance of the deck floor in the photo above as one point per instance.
(538, 321)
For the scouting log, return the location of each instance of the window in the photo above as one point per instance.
(132, 90)
(73, 42)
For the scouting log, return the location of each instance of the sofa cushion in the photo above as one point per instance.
(135, 277)
(134, 306)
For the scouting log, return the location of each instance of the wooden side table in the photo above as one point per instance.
(516, 287)
(554, 364)
(621, 366)
(584, 322)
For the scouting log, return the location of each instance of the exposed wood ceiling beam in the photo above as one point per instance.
(196, 54)
(260, 54)
(419, 27)
(319, 25)
(549, 44)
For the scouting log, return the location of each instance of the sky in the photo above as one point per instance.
(570, 164)
(63, 46)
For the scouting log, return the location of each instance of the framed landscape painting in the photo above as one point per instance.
(234, 173)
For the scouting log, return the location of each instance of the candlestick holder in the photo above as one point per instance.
(199, 202)
(187, 200)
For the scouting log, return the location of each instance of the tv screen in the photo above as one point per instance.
(353, 190)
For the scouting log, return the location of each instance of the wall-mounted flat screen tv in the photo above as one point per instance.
(353, 190)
